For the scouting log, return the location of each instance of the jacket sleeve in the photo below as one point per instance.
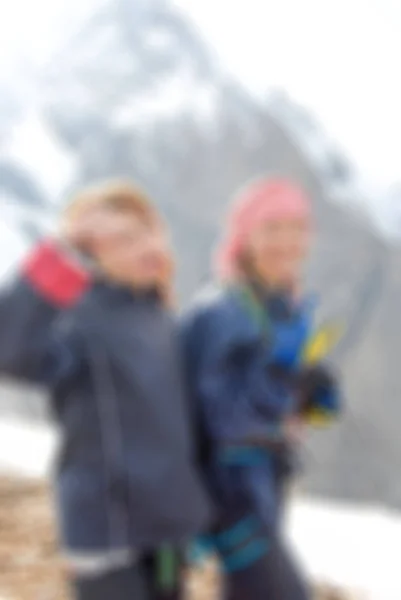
(239, 400)
(31, 339)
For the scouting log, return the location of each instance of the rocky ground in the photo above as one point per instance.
(30, 569)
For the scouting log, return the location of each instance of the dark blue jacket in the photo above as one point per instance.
(125, 472)
(242, 370)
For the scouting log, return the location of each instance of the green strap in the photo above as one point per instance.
(166, 568)
(254, 308)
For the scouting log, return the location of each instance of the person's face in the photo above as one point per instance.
(276, 250)
(132, 251)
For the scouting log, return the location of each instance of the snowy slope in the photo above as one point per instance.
(349, 546)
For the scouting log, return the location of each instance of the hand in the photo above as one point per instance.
(316, 386)
(294, 429)
(94, 228)
(80, 233)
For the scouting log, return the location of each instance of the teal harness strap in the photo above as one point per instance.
(246, 556)
(243, 456)
(237, 534)
(242, 544)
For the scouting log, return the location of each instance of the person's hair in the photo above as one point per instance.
(120, 195)
(123, 197)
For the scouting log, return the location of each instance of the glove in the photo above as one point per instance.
(318, 393)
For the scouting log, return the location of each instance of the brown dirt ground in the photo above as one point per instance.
(29, 567)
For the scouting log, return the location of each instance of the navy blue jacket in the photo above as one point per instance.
(231, 364)
(241, 378)
(125, 473)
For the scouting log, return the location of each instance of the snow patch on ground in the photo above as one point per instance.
(346, 545)
(349, 546)
(26, 449)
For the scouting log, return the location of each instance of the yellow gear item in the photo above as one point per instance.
(319, 418)
(316, 349)
(321, 343)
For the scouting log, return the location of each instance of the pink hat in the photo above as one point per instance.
(263, 200)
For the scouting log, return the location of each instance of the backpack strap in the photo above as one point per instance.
(254, 308)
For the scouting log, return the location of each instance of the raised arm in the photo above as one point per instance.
(31, 312)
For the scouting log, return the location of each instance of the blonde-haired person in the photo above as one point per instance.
(89, 317)
(244, 347)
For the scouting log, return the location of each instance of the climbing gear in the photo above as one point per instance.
(318, 347)
(322, 342)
